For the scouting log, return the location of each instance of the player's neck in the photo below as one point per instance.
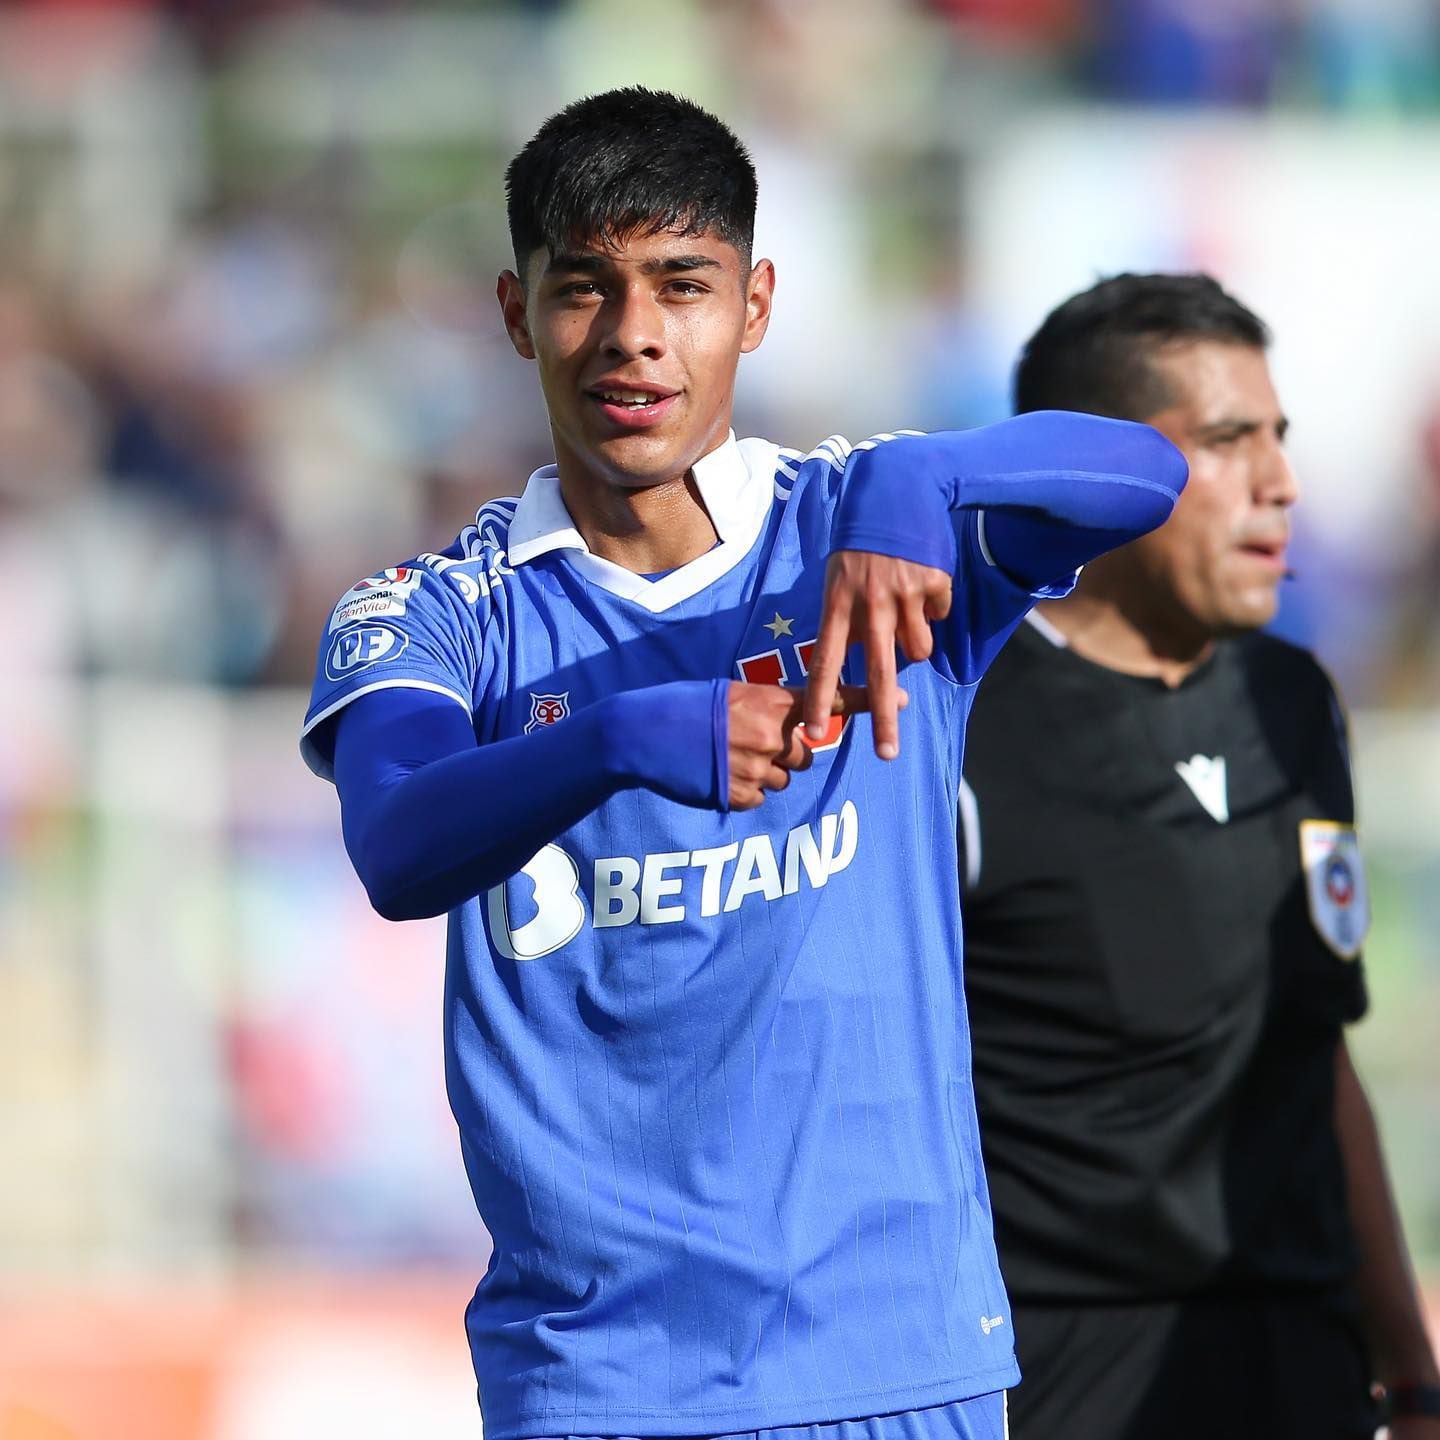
(660, 527)
(1127, 629)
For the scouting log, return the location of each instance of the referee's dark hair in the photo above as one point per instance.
(631, 161)
(1093, 352)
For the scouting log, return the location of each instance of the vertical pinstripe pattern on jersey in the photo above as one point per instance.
(843, 1321)
(781, 811)
(992, 1299)
(787, 812)
(878, 1170)
(742, 925)
(863, 735)
(578, 1283)
(747, 960)
(643, 1144)
(834, 458)
(567, 1255)
(949, 750)
(920, 802)
(578, 1359)
(631, 1401)
(573, 616)
(730, 1099)
(518, 1101)
(816, 1084)
(695, 1004)
(656, 982)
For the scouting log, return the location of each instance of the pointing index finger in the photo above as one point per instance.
(825, 664)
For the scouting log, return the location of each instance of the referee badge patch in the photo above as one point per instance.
(1335, 884)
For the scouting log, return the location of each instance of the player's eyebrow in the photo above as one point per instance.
(592, 263)
(673, 264)
(571, 261)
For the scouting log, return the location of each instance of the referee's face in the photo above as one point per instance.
(1220, 557)
(637, 345)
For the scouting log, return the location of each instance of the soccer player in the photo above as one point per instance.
(1165, 909)
(703, 954)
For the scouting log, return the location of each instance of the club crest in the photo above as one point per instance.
(1335, 885)
(768, 667)
(547, 710)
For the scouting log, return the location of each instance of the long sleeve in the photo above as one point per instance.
(1101, 481)
(431, 819)
(1010, 510)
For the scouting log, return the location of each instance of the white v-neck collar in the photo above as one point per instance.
(736, 482)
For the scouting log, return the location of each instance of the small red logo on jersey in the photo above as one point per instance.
(768, 668)
(547, 710)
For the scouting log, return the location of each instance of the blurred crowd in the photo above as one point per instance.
(249, 353)
(247, 345)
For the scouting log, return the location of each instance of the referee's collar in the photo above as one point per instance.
(736, 482)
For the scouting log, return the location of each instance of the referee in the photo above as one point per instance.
(1164, 912)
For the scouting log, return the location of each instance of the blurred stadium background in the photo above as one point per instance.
(248, 353)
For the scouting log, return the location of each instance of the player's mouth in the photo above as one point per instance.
(632, 407)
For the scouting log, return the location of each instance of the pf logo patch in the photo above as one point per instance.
(547, 710)
(362, 645)
(1335, 885)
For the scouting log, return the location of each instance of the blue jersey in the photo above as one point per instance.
(711, 1070)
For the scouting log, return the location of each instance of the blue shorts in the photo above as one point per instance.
(983, 1417)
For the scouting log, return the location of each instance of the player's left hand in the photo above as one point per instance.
(876, 601)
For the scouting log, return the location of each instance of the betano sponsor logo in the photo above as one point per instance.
(661, 889)
(671, 886)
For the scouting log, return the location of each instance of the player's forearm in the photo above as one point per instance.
(1058, 489)
(1395, 1328)
(427, 838)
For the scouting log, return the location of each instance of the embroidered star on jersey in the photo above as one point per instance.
(1206, 778)
(778, 626)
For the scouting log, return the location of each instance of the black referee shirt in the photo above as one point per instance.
(1154, 1010)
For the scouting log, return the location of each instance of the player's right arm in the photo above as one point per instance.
(431, 818)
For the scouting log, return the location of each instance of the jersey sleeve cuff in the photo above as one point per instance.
(317, 755)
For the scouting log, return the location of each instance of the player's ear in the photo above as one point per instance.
(759, 293)
(510, 292)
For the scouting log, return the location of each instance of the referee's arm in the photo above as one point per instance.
(1400, 1351)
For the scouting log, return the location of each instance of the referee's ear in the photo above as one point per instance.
(510, 292)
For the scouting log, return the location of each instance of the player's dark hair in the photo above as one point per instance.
(628, 162)
(1094, 351)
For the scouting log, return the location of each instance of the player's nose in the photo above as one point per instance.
(634, 325)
